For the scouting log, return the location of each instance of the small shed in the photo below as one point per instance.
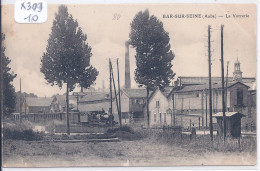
(233, 123)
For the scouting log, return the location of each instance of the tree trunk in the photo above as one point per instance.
(147, 105)
(67, 110)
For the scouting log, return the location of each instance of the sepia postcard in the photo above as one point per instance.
(167, 84)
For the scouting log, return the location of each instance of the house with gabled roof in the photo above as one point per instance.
(160, 110)
(161, 104)
(58, 103)
(37, 105)
(132, 103)
(94, 102)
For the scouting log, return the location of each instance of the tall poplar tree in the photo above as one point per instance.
(153, 53)
(67, 56)
(9, 96)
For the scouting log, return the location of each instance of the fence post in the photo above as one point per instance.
(181, 134)
(199, 123)
(239, 143)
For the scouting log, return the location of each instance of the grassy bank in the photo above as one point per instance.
(137, 147)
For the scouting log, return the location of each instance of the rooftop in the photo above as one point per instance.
(205, 80)
(228, 114)
(79, 93)
(136, 92)
(252, 86)
(62, 99)
(39, 101)
(206, 86)
(94, 96)
(167, 90)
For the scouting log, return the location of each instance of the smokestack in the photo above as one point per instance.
(127, 66)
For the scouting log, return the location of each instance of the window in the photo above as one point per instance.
(239, 97)
(157, 104)
(140, 101)
(154, 117)
(137, 101)
(197, 94)
(249, 114)
(164, 117)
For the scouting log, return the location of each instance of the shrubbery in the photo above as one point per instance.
(21, 131)
(127, 133)
(28, 135)
(125, 128)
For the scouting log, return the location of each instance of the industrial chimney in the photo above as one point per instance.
(127, 66)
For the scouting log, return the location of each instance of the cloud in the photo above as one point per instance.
(33, 82)
(104, 50)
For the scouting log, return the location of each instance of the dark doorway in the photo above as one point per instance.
(239, 97)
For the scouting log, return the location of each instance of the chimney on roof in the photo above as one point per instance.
(127, 66)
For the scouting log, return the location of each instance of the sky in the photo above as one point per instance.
(26, 43)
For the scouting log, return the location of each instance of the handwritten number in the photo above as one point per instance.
(35, 18)
(40, 6)
(32, 19)
(29, 18)
(34, 10)
(33, 6)
(29, 6)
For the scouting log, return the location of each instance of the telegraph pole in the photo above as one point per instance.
(206, 109)
(77, 101)
(226, 84)
(21, 103)
(210, 92)
(223, 87)
(173, 110)
(202, 109)
(110, 87)
(119, 93)
(112, 75)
